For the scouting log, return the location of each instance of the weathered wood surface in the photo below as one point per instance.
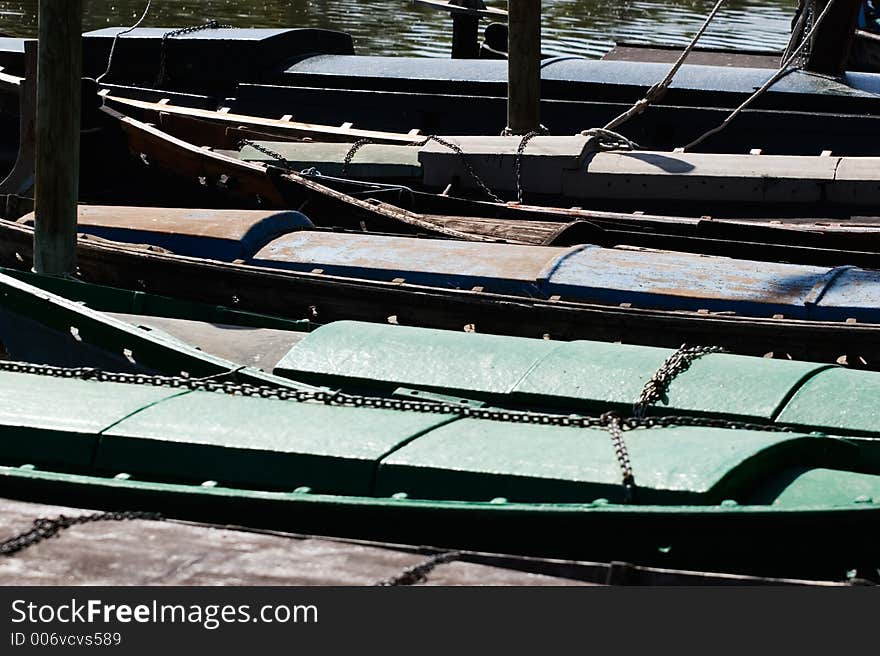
(444, 216)
(173, 553)
(255, 347)
(572, 167)
(59, 93)
(282, 128)
(524, 66)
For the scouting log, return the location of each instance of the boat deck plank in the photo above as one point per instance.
(171, 553)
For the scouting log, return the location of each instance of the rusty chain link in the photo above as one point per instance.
(419, 573)
(614, 427)
(44, 528)
(520, 155)
(657, 387)
(274, 154)
(360, 143)
(163, 56)
(467, 165)
(355, 147)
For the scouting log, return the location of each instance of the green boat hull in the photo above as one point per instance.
(460, 441)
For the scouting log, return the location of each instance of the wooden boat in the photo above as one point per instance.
(258, 180)
(587, 273)
(502, 300)
(778, 128)
(561, 171)
(310, 560)
(316, 77)
(41, 327)
(390, 451)
(866, 51)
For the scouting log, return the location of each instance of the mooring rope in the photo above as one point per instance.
(657, 91)
(116, 38)
(778, 75)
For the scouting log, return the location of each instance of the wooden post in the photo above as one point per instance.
(59, 73)
(465, 36)
(830, 49)
(466, 30)
(524, 66)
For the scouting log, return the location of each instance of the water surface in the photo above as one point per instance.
(383, 27)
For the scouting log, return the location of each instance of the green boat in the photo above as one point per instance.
(692, 459)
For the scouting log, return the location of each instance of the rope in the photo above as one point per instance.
(610, 140)
(657, 91)
(782, 72)
(116, 38)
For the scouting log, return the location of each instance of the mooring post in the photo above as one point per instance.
(59, 72)
(466, 30)
(830, 49)
(524, 66)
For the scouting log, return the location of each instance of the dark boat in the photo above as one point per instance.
(315, 76)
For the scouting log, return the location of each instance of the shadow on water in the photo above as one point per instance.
(385, 27)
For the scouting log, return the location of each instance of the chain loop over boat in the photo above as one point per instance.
(610, 422)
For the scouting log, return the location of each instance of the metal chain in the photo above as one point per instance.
(467, 165)
(808, 26)
(443, 142)
(355, 147)
(628, 479)
(44, 528)
(419, 573)
(274, 154)
(657, 387)
(613, 423)
(163, 56)
(520, 153)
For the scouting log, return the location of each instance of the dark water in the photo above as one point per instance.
(582, 27)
